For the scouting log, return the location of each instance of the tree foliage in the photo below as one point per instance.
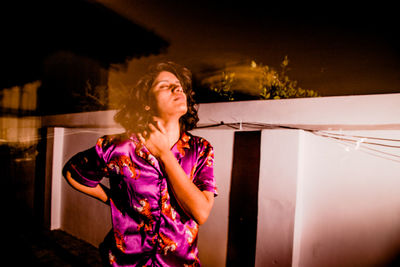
(260, 80)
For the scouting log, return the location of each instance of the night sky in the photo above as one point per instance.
(335, 49)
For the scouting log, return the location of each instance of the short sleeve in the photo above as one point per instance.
(204, 173)
(88, 167)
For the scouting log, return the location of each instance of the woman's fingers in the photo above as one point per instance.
(141, 138)
(161, 127)
(152, 127)
(158, 127)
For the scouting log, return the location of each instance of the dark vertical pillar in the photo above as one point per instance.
(40, 175)
(243, 203)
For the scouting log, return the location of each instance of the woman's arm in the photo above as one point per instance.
(96, 192)
(194, 202)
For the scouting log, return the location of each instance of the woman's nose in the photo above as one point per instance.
(177, 89)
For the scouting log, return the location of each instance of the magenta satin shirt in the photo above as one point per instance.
(150, 228)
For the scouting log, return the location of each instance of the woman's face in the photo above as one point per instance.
(170, 100)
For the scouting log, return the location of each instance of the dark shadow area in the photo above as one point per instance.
(52, 248)
(68, 46)
(243, 199)
(26, 235)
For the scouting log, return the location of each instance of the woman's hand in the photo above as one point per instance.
(157, 141)
(197, 204)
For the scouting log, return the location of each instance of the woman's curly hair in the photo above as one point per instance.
(134, 114)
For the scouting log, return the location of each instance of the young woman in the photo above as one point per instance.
(162, 185)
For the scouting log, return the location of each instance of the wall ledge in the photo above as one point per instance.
(361, 112)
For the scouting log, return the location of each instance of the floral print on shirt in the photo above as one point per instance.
(150, 228)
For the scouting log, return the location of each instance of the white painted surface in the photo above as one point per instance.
(298, 219)
(277, 197)
(213, 235)
(82, 215)
(337, 202)
(369, 110)
(349, 203)
(339, 111)
(57, 179)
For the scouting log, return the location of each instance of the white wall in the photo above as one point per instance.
(81, 215)
(321, 202)
(343, 112)
(277, 197)
(213, 235)
(348, 202)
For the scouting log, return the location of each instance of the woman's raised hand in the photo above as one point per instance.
(156, 141)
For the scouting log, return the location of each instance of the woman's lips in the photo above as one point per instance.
(180, 97)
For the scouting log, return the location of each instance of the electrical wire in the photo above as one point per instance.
(357, 140)
(360, 142)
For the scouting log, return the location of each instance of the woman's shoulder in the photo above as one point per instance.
(114, 140)
(198, 141)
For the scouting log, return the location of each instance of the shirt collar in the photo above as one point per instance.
(180, 147)
(142, 152)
